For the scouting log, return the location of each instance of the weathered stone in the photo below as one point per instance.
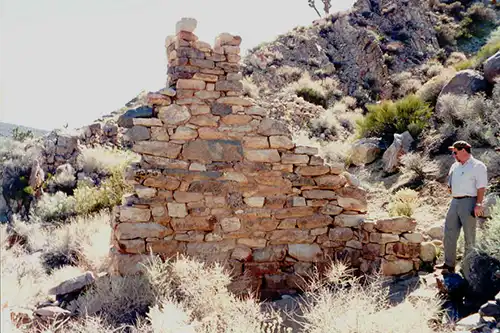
(236, 119)
(491, 67)
(372, 251)
(400, 145)
(230, 224)
(185, 197)
(252, 243)
(403, 250)
(132, 246)
(190, 84)
(203, 223)
(255, 142)
(228, 85)
(184, 133)
(314, 221)
(294, 159)
(190, 236)
(126, 231)
(331, 182)
(133, 214)
(270, 127)
(270, 253)
(306, 150)
(319, 194)
(396, 225)
(147, 122)
(221, 109)
(255, 201)
(383, 238)
(415, 238)
(174, 114)
(340, 234)
(202, 63)
(126, 119)
(331, 209)
(204, 120)
(242, 253)
(312, 170)
(157, 148)
(138, 133)
(288, 224)
(349, 221)
(293, 212)
(305, 252)
(396, 267)
(288, 236)
(264, 155)
(364, 151)
(197, 167)
(74, 284)
(428, 252)
(465, 82)
(354, 244)
(436, 232)
(235, 101)
(351, 198)
(52, 312)
(159, 134)
(197, 109)
(208, 151)
(256, 111)
(163, 182)
(176, 209)
(298, 202)
(281, 142)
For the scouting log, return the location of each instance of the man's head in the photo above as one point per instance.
(461, 150)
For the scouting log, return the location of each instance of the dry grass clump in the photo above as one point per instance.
(82, 241)
(403, 203)
(289, 73)
(421, 165)
(103, 161)
(317, 92)
(58, 206)
(429, 92)
(250, 89)
(455, 58)
(343, 304)
(473, 119)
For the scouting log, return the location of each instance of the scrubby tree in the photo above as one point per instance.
(327, 4)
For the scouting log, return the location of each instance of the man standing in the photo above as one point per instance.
(467, 181)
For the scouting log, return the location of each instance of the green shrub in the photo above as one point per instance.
(312, 96)
(489, 236)
(91, 199)
(388, 117)
(20, 135)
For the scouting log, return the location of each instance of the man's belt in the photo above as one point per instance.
(464, 197)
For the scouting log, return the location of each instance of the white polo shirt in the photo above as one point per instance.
(465, 179)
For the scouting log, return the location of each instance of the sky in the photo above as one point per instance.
(72, 61)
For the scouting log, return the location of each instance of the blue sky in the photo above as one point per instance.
(71, 61)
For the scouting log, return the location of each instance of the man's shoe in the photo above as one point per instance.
(445, 268)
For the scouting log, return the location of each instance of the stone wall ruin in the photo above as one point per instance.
(220, 181)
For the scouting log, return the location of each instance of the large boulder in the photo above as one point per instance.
(466, 82)
(365, 151)
(399, 146)
(492, 67)
(480, 271)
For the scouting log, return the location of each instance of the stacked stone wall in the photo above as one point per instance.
(219, 181)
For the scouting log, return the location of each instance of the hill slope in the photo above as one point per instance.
(6, 130)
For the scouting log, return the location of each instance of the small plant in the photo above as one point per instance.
(386, 118)
(20, 135)
(403, 203)
(419, 164)
(326, 6)
(250, 89)
(51, 207)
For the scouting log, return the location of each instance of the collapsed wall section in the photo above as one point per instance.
(220, 181)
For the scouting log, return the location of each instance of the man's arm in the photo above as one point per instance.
(481, 184)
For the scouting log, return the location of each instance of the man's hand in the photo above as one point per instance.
(478, 211)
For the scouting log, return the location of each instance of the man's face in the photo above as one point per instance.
(459, 154)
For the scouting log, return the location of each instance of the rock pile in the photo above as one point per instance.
(220, 181)
(486, 320)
